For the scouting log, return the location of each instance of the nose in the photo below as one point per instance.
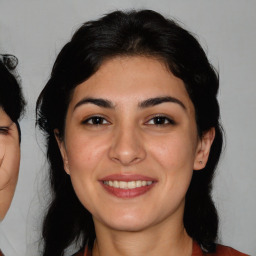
(127, 147)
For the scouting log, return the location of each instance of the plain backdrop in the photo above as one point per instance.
(35, 31)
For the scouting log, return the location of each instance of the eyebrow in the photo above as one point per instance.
(96, 101)
(104, 103)
(159, 100)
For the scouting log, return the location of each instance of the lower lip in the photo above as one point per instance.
(128, 193)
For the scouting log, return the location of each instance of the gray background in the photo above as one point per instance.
(35, 31)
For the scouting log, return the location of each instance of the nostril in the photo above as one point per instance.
(127, 157)
(127, 147)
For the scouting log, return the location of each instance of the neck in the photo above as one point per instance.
(161, 239)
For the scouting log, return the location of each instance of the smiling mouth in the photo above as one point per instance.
(127, 185)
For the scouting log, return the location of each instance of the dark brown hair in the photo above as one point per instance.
(145, 33)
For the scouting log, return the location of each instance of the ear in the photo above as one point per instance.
(62, 149)
(203, 149)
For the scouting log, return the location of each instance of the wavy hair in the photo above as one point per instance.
(133, 33)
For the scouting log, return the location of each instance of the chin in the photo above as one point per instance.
(127, 222)
(129, 226)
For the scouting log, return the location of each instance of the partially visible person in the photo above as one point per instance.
(11, 107)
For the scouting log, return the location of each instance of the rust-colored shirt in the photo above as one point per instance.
(197, 251)
(221, 250)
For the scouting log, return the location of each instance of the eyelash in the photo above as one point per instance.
(99, 120)
(4, 130)
(92, 119)
(164, 120)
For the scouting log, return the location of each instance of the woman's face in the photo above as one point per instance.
(131, 144)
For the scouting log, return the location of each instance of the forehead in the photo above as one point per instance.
(136, 78)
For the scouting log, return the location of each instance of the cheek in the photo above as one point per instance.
(175, 157)
(84, 153)
(174, 152)
(84, 158)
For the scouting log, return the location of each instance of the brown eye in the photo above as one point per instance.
(160, 120)
(4, 130)
(96, 120)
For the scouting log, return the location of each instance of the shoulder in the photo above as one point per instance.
(227, 251)
(221, 250)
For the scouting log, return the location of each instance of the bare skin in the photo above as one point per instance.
(118, 125)
(170, 239)
(9, 161)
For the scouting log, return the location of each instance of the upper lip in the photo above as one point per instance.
(127, 177)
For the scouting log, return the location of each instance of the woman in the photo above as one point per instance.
(133, 138)
(11, 108)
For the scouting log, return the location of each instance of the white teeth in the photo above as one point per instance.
(123, 184)
(131, 184)
(138, 183)
(128, 185)
(116, 184)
